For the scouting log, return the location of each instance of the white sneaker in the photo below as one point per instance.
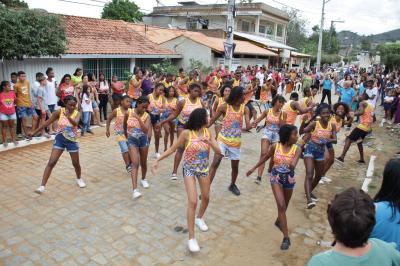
(40, 190)
(80, 182)
(157, 155)
(201, 224)
(136, 194)
(193, 246)
(326, 179)
(174, 177)
(144, 183)
(321, 182)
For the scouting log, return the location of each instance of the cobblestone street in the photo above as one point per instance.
(102, 225)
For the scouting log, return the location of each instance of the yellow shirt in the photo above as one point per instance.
(236, 83)
(76, 80)
(23, 93)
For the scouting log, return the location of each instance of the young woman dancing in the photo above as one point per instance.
(136, 126)
(171, 100)
(66, 139)
(285, 154)
(219, 100)
(155, 109)
(322, 131)
(183, 110)
(197, 141)
(274, 119)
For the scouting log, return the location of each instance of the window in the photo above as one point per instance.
(279, 31)
(262, 29)
(269, 27)
(191, 25)
(109, 67)
(245, 26)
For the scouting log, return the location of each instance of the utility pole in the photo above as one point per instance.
(230, 23)
(321, 30)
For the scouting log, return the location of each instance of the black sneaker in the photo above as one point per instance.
(285, 243)
(339, 160)
(361, 161)
(234, 189)
(89, 131)
(258, 180)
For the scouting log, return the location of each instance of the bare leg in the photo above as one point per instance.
(361, 150)
(346, 147)
(4, 131)
(143, 161)
(134, 155)
(125, 157)
(11, 128)
(235, 170)
(76, 164)
(264, 149)
(55, 155)
(329, 159)
(282, 198)
(217, 130)
(319, 170)
(309, 165)
(157, 133)
(205, 184)
(178, 155)
(214, 166)
(166, 135)
(190, 185)
(171, 132)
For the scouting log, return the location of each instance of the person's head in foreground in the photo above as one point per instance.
(351, 216)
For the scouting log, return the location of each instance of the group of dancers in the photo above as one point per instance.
(136, 124)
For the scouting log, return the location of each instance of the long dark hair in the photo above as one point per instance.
(63, 78)
(197, 119)
(3, 85)
(85, 90)
(390, 188)
(236, 94)
(77, 70)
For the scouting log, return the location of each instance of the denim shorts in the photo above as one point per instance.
(286, 180)
(155, 119)
(329, 146)
(315, 151)
(25, 112)
(179, 124)
(192, 173)
(4, 117)
(270, 135)
(123, 145)
(94, 104)
(61, 143)
(232, 153)
(141, 141)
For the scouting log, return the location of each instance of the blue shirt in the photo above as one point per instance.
(386, 226)
(327, 84)
(361, 89)
(347, 95)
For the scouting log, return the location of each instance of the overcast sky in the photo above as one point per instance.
(362, 16)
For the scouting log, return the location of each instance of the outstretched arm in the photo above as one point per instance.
(263, 159)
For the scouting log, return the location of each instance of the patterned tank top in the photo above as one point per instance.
(272, 121)
(133, 125)
(321, 135)
(282, 160)
(119, 124)
(65, 127)
(170, 106)
(367, 118)
(197, 152)
(155, 105)
(336, 123)
(187, 109)
(291, 114)
(231, 131)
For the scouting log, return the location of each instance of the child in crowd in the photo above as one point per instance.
(7, 112)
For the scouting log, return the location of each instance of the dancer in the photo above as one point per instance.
(219, 100)
(341, 111)
(155, 108)
(366, 113)
(197, 140)
(119, 115)
(307, 101)
(136, 127)
(322, 131)
(285, 156)
(66, 139)
(182, 111)
(274, 119)
(229, 138)
(171, 99)
(292, 108)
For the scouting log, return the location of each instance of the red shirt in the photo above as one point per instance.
(66, 90)
(7, 101)
(118, 87)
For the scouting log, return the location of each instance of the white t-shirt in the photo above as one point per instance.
(370, 93)
(260, 77)
(51, 92)
(86, 104)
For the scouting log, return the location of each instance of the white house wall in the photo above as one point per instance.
(190, 49)
(31, 66)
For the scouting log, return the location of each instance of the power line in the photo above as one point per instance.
(79, 3)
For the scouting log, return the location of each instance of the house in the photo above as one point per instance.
(299, 60)
(95, 45)
(206, 49)
(254, 18)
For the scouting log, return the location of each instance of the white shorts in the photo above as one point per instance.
(230, 152)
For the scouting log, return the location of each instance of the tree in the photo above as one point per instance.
(14, 3)
(390, 54)
(30, 33)
(365, 44)
(123, 10)
(296, 29)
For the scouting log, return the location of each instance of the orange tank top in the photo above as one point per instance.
(187, 109)
(291, 114)
(133, 125)
(281, 159)
(367, 118)
(155, 104)
(321, 135)
(336, 123)
(272, 121)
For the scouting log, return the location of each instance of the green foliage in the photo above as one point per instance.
(327, 59)
(14, 3)
(30, 33)
(365, 45)
(390, 54)
(296, 29)
(198, 64)
(123, 10)
(165, 67)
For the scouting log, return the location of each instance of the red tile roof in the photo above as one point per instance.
(104, 36)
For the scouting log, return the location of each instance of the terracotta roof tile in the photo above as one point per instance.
(103, 36)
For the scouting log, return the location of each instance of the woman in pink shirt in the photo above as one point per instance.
(7, 112)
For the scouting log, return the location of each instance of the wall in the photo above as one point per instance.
(33, 65)
(189, 49)
(160, 21)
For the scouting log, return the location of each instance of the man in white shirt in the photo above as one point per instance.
(372, 93)
(51, 97)
(260, 76)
